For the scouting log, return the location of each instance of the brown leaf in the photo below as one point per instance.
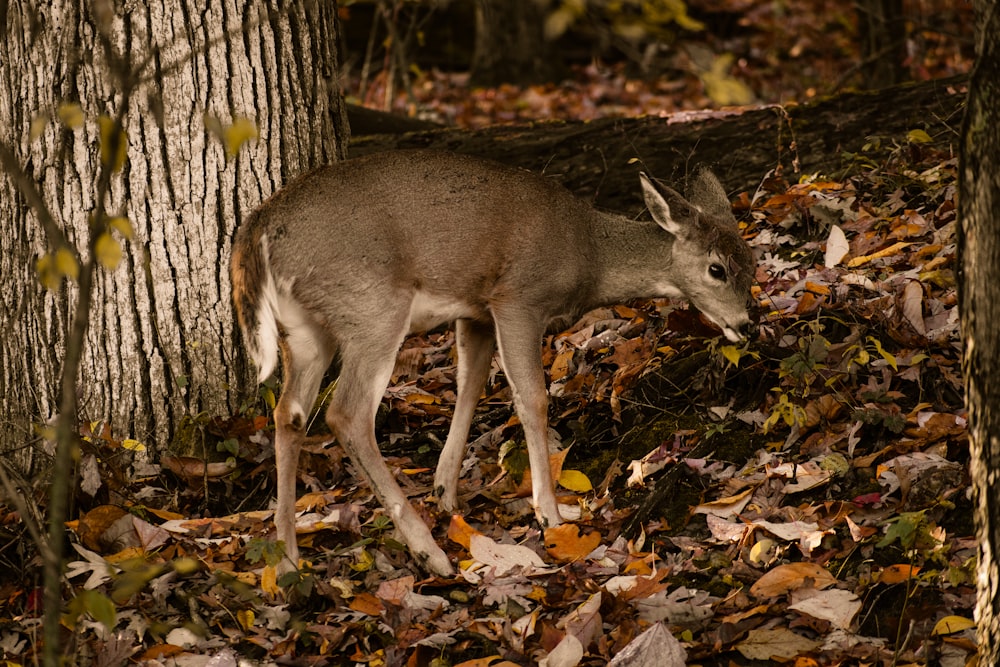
(366, 603)
(792, 576)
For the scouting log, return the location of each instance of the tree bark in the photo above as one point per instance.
(596, 159)
(161, 342)
(882, 32)
(979, 304)
(511, 45)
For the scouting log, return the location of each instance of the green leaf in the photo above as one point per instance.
(135, 574)
(99, 606)
(270, 551)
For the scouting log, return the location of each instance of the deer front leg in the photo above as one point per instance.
(518, 340)
(475, 343)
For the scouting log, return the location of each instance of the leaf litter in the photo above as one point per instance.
(831, 541)
(821, 510)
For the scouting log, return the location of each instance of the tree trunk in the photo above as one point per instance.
(979, 292)
(882, 32)
(161, 342)
(595, 159)
(511, 45)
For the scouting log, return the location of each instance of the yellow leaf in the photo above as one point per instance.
(732, 354)
(574, 480)
(123, 226)
(952, 624)
(559, 22)
(53, 267)
(241, 131)
(918, 137)
(888, 356)
(114, 143)
(245, 617)
(108, 251)
(38, 125)
(268, 395)
(66, 263)
(269, 580)
(364, 561)
(134, 445)
(71, 115)
(48, 275)
(185, 565)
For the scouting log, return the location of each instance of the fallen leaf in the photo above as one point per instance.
(567, 653)
(523, 489)
(897, 574)
(655, 647)
(789, 577)
(726, 507)
(574, 480)
(565, 544)
(775, 644)
(836, 247)
(504, 558)
(834, 605)
(460, 532)
(366, 603)
(949, 625)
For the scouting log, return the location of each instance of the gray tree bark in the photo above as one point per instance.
(161, 342)
(511, 45)
(979, 292)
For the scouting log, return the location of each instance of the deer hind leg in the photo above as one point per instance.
(475, 342)
(519, 336)
(366, 366)
(304, 357)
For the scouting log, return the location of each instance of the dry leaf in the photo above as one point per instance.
(897, 574)
(565, 544)
(460, 532)
(504, 558)
(790, 577)
(655, 647)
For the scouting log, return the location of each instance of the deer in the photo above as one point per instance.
(347, 260)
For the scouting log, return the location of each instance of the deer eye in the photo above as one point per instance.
(717, 271)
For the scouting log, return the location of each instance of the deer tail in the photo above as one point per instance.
(255, 298)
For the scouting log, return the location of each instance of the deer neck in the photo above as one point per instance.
(625, 252)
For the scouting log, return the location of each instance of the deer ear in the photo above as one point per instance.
(669, 209)
(708, 194)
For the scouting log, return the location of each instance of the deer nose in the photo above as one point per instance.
(750, 329)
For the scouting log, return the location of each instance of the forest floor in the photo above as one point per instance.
(811, 488)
